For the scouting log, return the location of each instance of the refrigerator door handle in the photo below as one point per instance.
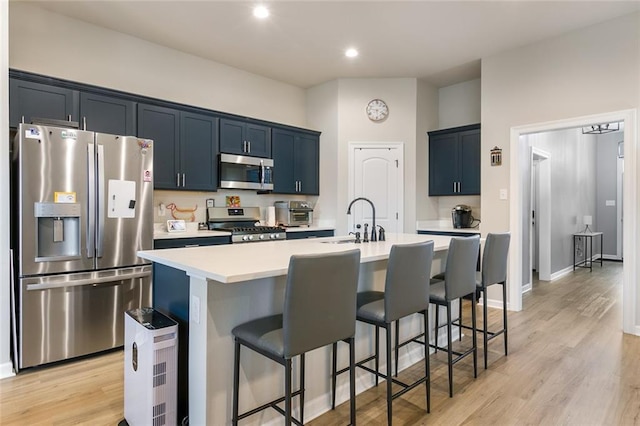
(101, 202)
(91, 225)
(139, 273)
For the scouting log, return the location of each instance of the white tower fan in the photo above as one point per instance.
(150, 368)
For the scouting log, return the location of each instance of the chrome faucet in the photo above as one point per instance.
(373, 210)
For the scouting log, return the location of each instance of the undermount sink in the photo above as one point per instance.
(351, 240)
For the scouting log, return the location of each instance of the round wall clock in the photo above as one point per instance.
(377, 110)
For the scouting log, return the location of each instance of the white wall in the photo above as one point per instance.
(427, 119)
(5, 361)
(42, 42)
(323, 113)
(555, 79)
(459, 104)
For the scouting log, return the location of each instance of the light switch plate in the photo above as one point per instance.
(503, 194)
(610, 203)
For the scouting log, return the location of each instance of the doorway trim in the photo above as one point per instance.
(353, 146)
(631, 239)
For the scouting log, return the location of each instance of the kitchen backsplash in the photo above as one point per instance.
(445, 204)
(192, 205)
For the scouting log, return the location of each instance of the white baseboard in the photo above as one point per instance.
(561, 273)
(526, 288)
(611, 257)
(6, 370)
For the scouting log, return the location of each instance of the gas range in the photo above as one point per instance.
(241, 222)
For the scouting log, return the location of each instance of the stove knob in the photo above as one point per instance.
(250, 237)
(262, 236)
(272, 236)
(245, 238)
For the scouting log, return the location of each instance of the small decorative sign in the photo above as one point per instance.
(496, 156)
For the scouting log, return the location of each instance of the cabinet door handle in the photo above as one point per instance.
(84, 123)
(177, 179)
(299, 186)
(184, 180)
(454, 186)
(22, 119)
(249, 144)
(69, 117)
(459, 190)
(244, 146)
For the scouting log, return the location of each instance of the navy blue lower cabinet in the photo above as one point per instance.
(300, 235)
(171, 297)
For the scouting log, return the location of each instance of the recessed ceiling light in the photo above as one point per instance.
(260, 12)
(351, 53)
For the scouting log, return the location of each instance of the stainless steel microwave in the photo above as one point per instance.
(243, 172)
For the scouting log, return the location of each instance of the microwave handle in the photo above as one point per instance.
(261, 173)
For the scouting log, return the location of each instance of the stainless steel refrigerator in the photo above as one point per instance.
(82, 209)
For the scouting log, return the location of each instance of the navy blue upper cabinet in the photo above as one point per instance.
(199, 151)
(454, 161)
(296, 157)
(30, 100)
(244, 138)
(107, 114)
(163, 126)
(185, 148)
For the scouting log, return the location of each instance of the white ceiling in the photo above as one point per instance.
(302, 43)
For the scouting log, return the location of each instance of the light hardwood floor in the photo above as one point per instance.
(569, 363)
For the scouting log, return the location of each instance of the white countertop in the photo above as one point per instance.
(443, 226)
(244, 262)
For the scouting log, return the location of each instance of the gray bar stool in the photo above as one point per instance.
(459, 281)
(406, 292)
(319, 309)
(494, 271)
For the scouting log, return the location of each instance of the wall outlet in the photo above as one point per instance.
(162, 210)
(503, 194)
(195, 309)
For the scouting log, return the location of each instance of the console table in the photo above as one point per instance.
(587, 262)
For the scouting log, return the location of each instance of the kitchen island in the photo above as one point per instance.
(232, 284)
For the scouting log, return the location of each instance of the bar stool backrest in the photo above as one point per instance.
(320, 300)
(494, 258)
(460, 270)
(407, 280)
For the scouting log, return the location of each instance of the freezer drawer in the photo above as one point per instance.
(66, 316)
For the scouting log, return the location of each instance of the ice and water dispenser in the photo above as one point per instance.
(57, 230)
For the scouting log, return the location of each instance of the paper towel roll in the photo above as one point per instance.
(271, 216)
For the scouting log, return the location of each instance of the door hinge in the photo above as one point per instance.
(396, 215)
(397, 164)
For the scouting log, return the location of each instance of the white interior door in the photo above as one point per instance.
(377, 175)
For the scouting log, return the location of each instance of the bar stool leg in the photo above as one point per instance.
(397, 341)
(474, 321)
(485, 332)
(460, 318)
(427, 368)
(287, 392)
(352, 381)
(389, 372)
(437, 329)
(236, 381)
(504, 314)
(333, 374)
(377, 352)
(449, 353)
(302, 384)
